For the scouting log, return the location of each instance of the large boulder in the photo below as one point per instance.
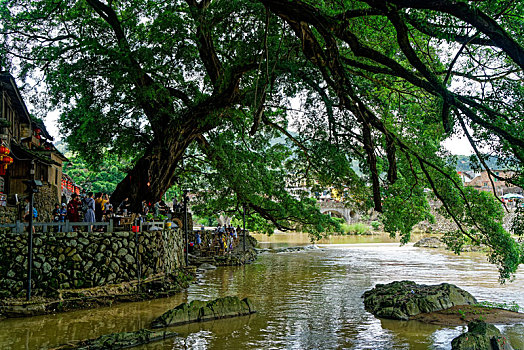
(430, 242)
(403, 299)
(199, 311)
(480, 336)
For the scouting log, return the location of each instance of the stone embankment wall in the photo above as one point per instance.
(8, 215)
(82, 260)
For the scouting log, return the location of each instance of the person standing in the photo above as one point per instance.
(99, 209)
(198, 238)
(63, 215)
(73, 213)
(89, 215)
(124, 206)
(56, 215)
(27, 215)
(105, 200)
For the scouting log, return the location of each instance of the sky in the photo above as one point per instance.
(456, 145)
(51, 124)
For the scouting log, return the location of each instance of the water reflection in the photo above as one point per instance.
(306, 300)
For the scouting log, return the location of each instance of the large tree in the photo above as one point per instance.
(381, 84)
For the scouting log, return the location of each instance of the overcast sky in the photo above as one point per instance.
(455, 145)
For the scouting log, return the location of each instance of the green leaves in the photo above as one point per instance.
(103, 178)
(374, 91)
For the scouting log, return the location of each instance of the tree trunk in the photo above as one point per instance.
(154, 173)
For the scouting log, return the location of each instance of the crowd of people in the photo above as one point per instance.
(223, 239)
(95, 207)
(86, 207)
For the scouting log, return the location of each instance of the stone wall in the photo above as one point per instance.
(44, 202)
(82, 260)
(8, 215)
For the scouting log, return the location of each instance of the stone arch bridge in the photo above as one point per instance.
(338, 209)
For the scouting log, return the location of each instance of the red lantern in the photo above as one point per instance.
(5, 161)
(4, 150)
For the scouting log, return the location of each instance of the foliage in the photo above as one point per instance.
(513, 306)
(375, 225)
(355, 229)
(196, 93)
(102, 178)
(251, 171)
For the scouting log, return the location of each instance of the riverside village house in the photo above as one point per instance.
(26, 153)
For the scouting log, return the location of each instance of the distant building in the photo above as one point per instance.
(297, 187)
(69, 187)
(467, 176)
(29, 151)
(482, 182)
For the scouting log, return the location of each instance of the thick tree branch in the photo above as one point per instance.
(206, 47)
(474, 17)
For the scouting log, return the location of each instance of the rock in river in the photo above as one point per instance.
(206, 266)
(118, 340)
(402, 299)
(198, 311)
(430, 242)
(481, 336)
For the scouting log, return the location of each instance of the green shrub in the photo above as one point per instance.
(375, 225)
(355, 229)
(513, 306)
(344, 228)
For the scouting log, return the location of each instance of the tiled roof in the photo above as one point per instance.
(7, 82)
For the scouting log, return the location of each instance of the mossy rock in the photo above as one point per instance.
(403, 299)
(118, 340)
(480, 336)
(199, 311)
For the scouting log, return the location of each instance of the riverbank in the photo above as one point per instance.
(289, 239)
(462, 314)
(160, 285)
(153, 287)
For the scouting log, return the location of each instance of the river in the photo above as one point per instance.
(306, 300)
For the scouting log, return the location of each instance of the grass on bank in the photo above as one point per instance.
(355, 229)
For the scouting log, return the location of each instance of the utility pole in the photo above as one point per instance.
(32, 188)
(30, 246)
(186, 197)
(244, 228)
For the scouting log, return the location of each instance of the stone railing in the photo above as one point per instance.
(331, 204)
(85, 259)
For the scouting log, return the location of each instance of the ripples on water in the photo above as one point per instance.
(306, 300)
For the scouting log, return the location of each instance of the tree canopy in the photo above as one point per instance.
(198, 91)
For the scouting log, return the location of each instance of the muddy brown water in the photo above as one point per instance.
(306, 300)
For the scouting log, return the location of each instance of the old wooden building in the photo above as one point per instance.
(30, 153)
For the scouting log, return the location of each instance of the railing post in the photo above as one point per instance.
(66, 227)
(17, 227)
(110, 228)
